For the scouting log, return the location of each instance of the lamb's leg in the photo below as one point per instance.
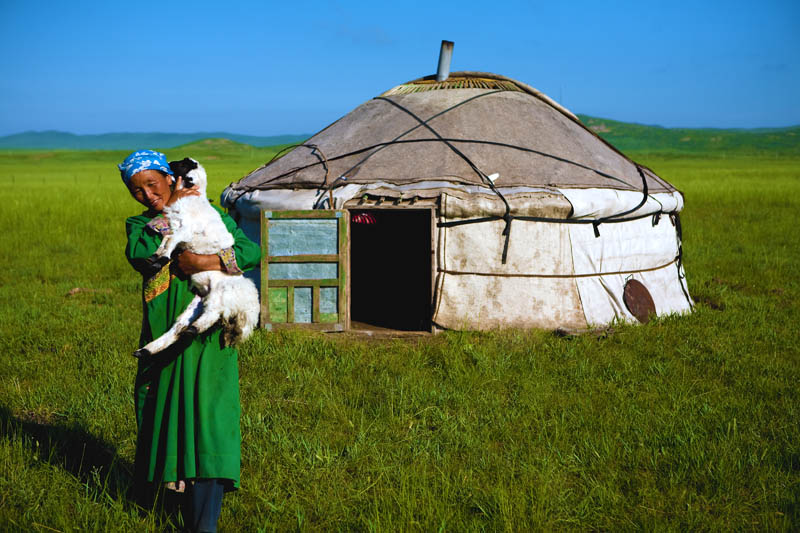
(163, 254)
(212, 312)
(173, 334)
(161, 258)
(168, 244)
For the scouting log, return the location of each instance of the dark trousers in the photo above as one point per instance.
(203, 505)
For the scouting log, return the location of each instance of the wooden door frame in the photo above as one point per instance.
(341, 259)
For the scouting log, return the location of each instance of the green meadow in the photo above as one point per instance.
(686, 423)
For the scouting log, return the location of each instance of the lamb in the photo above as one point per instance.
(195, 225)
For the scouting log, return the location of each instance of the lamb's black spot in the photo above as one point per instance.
(182, 167)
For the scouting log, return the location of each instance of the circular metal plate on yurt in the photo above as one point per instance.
(638, 301)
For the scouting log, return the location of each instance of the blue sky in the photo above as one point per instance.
(265, 68)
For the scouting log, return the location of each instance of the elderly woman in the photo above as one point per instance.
(187, 397)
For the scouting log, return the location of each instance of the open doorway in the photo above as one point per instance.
(390, 269)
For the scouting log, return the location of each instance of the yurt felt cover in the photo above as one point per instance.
(520, 136)
(442, 141)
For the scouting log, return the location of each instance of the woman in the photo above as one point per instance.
(187, 397)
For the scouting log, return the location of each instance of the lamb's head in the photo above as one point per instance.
(192, 172)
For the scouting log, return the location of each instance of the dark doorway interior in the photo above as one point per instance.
(390, 269)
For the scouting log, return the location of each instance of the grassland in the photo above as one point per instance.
(686, 423)
(630, 137)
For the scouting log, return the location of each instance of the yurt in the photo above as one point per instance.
(471, 201)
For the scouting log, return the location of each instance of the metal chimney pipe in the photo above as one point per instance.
(445, 55)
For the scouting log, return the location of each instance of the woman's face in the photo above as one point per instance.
(151, 188)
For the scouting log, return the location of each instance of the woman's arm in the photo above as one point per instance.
(143, 244)
(244, 255)
(191, 263)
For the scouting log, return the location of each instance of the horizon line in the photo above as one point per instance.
(36, 131)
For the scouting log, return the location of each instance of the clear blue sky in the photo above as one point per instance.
(266, 68)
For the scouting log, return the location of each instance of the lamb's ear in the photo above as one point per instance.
(182, 167)
(189, 163)
(176, 168)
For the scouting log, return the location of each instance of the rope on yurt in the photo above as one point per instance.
(539, 219)
(616, 217)
(282, 151)
(329, 188)
(396, 139)
(314, 148)
(245, 189)
(556, 276)
(676, 220)
(507, 216)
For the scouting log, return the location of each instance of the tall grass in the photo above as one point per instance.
(684, 423)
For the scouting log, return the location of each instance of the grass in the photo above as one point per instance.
(684, 423)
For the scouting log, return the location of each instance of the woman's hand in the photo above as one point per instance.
(179, 192)
(191, 263)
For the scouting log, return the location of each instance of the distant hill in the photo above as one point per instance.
(625, 136)
(59, 140)
(630, 137)
(207, 149)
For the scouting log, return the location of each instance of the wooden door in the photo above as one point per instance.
(304, 269)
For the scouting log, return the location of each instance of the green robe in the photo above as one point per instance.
(187, 397)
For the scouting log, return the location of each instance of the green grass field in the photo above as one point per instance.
(688, 422)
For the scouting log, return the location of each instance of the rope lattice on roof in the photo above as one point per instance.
(508, 217)
(422, 123)
(484, 177)
(327, 187)
(382, 145)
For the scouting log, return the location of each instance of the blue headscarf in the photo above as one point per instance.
(143, 160)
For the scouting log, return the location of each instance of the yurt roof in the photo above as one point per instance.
(460, 130)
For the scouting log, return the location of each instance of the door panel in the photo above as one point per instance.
(304, 269)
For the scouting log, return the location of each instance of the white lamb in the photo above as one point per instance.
(196, 226)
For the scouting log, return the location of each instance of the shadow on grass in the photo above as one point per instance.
(91, 460)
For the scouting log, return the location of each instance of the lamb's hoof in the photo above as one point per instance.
(141, 353)
(155, 263)
(190, 332)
